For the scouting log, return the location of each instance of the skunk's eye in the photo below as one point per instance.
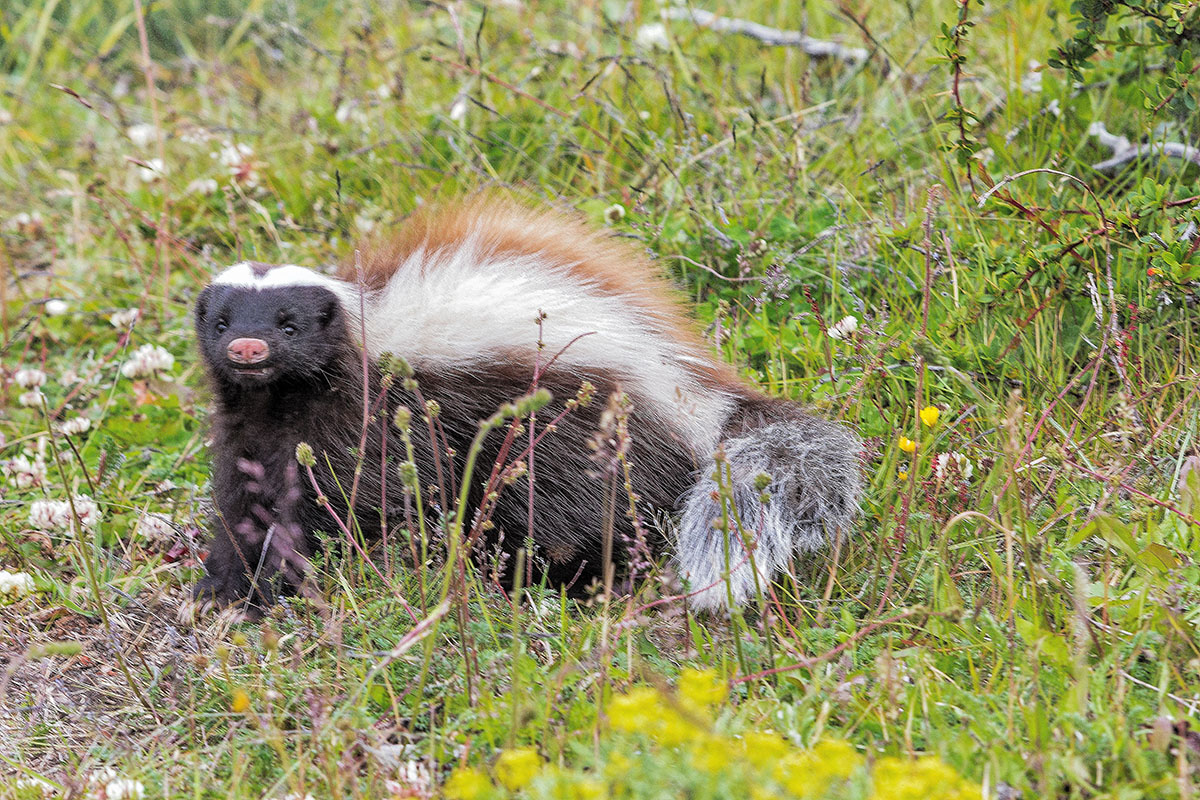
(288, 329)
(222, 326)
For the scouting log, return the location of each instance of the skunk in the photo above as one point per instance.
(478, 299)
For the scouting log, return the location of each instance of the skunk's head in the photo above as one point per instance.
(261, 326)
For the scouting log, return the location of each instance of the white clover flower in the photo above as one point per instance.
(147, 360)
(124, 789)
(150, 170)
(53, 516)
(155, 527)
(124, 318)
(31, 399)
(654, 36)
(614, 213)
(25, 472)
(89, 512)
(75, 426)
(56, 307)
(29, 378)
(239, 158)
(843, 327)
(941, 465)
(142, 134)
(233, 154)
(16, 584)
(203, 186)
(49, 515)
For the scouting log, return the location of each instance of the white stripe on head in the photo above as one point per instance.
(256, 277)
(253, 276)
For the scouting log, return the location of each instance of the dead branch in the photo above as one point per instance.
(818, 48)
(1125, 151)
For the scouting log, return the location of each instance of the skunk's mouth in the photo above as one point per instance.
(252, 372)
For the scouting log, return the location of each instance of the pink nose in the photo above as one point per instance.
(248, 351)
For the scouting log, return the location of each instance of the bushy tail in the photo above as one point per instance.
(812, 487)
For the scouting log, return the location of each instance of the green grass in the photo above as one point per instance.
(1030, 625)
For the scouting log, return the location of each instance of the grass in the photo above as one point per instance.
(1021, 619)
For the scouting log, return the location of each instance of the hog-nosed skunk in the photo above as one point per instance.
(458, 293)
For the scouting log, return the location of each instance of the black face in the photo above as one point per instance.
(265, 337)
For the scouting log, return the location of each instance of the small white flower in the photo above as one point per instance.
(383, 91)
(147, 360)
(458, 110)
(142, 135)
(614, 213)
(75, 426)
(16, 583)
(239, 158)
(654, 36)
(234, 154)
(124, 789)
(55, 515)
(1054, 108)
(643, 115)
(203, 186)
(156, 528)
(1031, 82)
(942, 465)
(56, 307)
(31, 399)
(29, 378)
(151, 170)
(5, 116)
(49, 515)
(843, 327)
(124, 318)
(25, 472)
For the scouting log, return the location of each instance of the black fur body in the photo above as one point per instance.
(314, 394)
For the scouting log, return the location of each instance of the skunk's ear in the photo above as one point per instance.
(328, 313)
(202, 304)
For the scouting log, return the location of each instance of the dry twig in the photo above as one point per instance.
(818, 48)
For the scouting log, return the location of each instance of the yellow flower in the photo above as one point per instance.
(903, 475)
(466, 783)
(711, 754)
(240, 701)
(811, 773)
(929, 415)
(927, 778)
(702, 687)
(764, 749)
(642, 710)
(636, 710)
(515, 768)
(907, 444)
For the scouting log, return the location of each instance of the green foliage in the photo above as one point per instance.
(1019, 604)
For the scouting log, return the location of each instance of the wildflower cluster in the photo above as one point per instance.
(54, 516)
(675, 743)
(15, 584)
(147, 360)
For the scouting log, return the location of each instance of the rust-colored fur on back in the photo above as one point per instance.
(502, 226)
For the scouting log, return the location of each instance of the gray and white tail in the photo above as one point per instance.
(809, 496)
